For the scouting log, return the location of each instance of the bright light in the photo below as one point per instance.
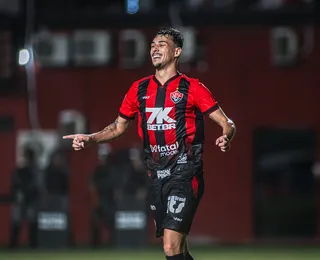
(132, 6)
(24, 57)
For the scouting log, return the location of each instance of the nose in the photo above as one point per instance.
(155, 48)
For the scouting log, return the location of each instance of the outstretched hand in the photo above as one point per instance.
(224, 143)
(80, 141)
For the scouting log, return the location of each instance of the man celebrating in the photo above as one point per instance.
(170, 108)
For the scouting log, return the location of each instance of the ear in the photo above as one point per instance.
(177, 52)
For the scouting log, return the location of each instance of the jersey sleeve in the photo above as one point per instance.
(129, 106)
(203, 99)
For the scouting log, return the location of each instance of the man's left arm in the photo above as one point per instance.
(228, 129)
(208, 105)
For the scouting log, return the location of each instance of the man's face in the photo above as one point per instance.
(163, 51)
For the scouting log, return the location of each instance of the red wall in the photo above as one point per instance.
(250, 90)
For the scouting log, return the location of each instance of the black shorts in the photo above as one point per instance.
(174, 203)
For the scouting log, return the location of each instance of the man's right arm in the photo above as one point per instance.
(108, 134)
(127, 112)
(111, 132)
(128, 109)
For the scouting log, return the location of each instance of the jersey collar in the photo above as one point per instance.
(168, 81)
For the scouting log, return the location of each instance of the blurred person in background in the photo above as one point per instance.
(26, 194)
(171, 109)
(130, 178)
(101, 192)
(56, 182)
(57, 176)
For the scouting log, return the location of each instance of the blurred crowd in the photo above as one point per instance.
(118, 176)
(191, 5)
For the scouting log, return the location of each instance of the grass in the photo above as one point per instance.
(216, 253)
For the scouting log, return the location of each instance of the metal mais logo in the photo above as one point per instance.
(165, 150)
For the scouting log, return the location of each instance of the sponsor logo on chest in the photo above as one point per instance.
(158, 119)
(165, 150)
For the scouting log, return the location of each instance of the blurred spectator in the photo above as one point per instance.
(130, 179)
(57, 176)
(101, 196)
(25, 193)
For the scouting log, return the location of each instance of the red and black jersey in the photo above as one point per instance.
(170, 119)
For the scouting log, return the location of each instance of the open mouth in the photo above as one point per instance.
(156, 56)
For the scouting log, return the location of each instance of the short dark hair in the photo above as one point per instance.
(176, 35)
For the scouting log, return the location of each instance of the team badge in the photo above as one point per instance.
(176, 96)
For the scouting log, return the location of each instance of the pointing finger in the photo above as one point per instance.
(69, 136)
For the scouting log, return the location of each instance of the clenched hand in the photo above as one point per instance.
(224, 143)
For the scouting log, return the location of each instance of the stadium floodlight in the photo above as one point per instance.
(24, 57)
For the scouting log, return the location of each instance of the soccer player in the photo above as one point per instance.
(171, 109)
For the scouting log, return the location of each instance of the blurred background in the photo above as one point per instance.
(65, 67)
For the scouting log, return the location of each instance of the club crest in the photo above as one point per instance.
(176, 96)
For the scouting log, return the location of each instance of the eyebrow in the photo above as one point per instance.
(159, 41)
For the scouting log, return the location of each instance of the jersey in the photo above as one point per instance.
(170, 121)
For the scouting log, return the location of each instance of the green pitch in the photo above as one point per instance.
(215, 253)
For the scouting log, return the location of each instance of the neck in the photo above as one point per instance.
(164, 74)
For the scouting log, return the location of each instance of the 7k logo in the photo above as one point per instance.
(160, 114)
